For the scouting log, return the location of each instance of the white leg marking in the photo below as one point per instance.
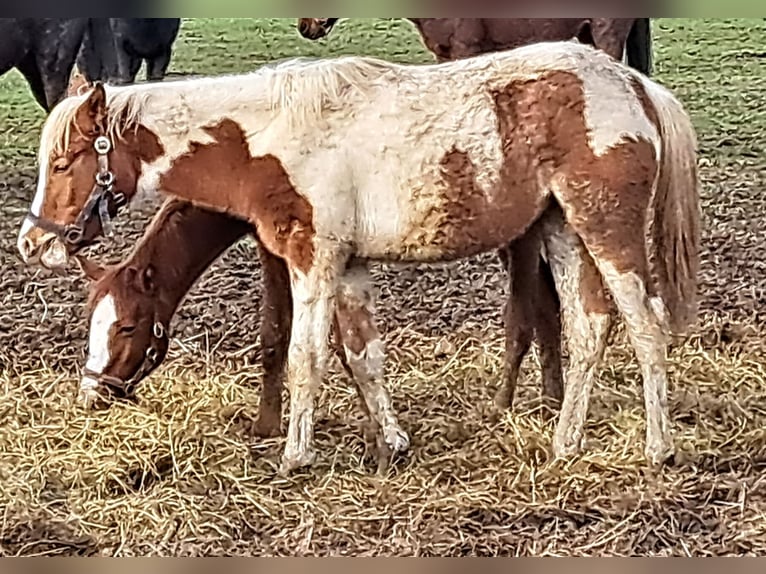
(649, 339)
(313, 306)
(104, 316)
(585, 334)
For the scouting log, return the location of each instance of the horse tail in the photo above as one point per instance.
(673, 222)
(638, 46)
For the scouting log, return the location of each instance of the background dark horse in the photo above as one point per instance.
(44, 51)
(114, 48)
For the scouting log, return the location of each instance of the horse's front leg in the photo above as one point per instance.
(276, 322)
(313, 295)
(364, 356)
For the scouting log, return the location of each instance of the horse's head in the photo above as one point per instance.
(84, 178)
(315, 28)
(128, 339)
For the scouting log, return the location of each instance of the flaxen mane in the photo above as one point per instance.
(301, 89)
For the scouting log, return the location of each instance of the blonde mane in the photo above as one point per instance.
(123, 103)
(299, 89)
(303, 89)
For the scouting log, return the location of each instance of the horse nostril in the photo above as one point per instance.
(303, 28)
(27, 249)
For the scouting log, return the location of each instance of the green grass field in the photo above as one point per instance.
(181, 474)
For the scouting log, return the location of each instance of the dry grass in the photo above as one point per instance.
(180, 474)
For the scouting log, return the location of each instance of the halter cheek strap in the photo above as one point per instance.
(149, 363)
(97, 204)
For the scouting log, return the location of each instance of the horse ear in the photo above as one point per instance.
(92, 270)
(142, 279)
(78, 83)
(92, 114)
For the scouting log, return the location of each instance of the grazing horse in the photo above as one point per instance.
(132, 304)
(44, 51)
(591, 162)
(113, 48)
(532, 309)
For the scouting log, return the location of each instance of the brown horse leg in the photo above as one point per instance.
(547, 321)
(532, 308)
(276, 321)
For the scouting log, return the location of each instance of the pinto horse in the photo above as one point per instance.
(532, 310)
(556, 143)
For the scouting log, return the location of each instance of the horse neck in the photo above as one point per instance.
(182, 242)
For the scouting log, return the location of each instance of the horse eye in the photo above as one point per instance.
(126, 329)
(60, 166)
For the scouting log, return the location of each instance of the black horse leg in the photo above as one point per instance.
(30, 71)
(639, 46)
(157, 67)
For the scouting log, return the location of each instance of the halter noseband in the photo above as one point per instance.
(149, 363)
(97, 204)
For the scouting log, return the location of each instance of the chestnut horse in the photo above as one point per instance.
(532, 309)
(455, 38)
(132, 304)
(556, 144)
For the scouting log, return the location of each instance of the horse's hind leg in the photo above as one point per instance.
(532, 308)
(586, 313)
(648, 334)
(364, 353)
(548, 334)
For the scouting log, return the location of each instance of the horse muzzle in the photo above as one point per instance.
(37, 246)
(97, 395)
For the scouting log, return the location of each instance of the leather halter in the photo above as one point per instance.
(148, 364)
(97, 204)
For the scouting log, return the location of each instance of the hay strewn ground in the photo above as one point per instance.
(180, 475)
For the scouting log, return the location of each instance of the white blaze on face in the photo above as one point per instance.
(104, 316)
(37, 205)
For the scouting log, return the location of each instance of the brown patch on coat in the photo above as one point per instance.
(646, 102)
(224, 176)
(477, 220)
(355, 324)
(545, 142)
(605, 198)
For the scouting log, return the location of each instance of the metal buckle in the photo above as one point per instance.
(105, 180)
(73, 235)
(102, 145)
(158, 330)
(151, 355)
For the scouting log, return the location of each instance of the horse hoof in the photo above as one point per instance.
(397, 439)
(266, 429)
(296, 461)
(660, 454)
